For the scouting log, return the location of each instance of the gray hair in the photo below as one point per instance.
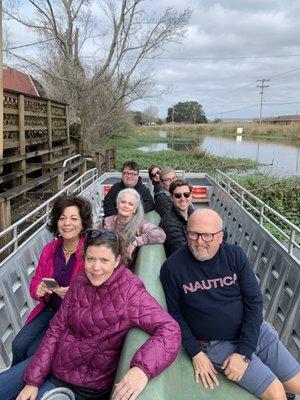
(131, 229)
(165, 171)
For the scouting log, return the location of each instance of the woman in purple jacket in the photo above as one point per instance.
(130, 223)
(82, 346)
(60, 259)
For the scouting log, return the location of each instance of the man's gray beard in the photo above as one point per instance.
(196, 255)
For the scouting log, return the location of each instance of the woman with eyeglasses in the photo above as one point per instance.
(130, 223)
(154, 172)
(82, 346)
(60, 260)
(174, 223)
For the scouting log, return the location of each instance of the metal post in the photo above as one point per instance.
(261, 215)
(15, 236)
(228, 187)
(242, 198)
(291, 241)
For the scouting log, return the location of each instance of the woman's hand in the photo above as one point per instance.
(61, 291)
(131, 385)
(42, 289)
(28, 393)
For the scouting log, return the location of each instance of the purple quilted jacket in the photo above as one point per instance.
(83, 343)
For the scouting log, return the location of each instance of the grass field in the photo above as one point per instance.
(266, 131)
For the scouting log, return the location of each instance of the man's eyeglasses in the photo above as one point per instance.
(97, 233)
(154, 174)
(206, 237)
(130, 174)
(179, 195)
(169, 179)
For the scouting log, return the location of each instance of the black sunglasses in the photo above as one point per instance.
(179, 195)
(154, 174)
(96, 233)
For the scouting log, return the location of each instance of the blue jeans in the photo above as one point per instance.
(11, 382)
(29, 338)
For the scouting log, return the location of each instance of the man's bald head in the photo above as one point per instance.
(209, 222)
(207, 217)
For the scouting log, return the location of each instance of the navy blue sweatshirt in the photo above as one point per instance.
(217, 299)
(109, 202)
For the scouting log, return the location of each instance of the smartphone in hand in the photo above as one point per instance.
(50, 283)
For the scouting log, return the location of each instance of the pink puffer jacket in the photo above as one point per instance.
(147, 233)
(45, 269)
(83, 343)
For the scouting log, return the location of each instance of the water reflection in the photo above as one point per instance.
(280, 158)
(155, 147)
(168, 146)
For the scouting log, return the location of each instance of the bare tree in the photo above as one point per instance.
(102, 88)
(150, 112)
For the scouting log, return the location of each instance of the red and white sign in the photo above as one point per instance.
(106, 189)
(199, 192)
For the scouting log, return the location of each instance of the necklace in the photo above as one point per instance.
(68, 251)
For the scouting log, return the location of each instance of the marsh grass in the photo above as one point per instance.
(282, 194)
(264, 131)
(192, 161)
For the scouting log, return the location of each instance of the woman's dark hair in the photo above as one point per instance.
(151, 168)
(178, 183)
(117, 245)
(68, 200)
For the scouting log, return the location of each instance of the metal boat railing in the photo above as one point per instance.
(17, 234)
(276, 269)
(286, 233)
(74, 176)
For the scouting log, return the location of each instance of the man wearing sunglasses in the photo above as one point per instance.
(174, 222)
(130, 179)
(162, 197)
(212, 292)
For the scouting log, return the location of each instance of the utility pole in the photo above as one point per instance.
(262, 86)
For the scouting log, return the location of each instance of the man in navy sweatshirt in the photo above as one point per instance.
(212, 292)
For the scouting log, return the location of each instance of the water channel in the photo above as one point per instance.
(281, 158)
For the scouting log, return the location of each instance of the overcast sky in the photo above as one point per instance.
(229, 45)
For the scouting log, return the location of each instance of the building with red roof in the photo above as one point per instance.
(14, 80)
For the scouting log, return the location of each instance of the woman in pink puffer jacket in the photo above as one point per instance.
(130, 223)
(82, 346)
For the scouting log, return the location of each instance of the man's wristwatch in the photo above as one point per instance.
(246, 359)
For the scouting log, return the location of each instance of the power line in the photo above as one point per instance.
(253, 105)
(223, 58)
(231, 111)
(174, 58)
(274, 77)
(29, 44)
(283, 103)
(43, 41)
